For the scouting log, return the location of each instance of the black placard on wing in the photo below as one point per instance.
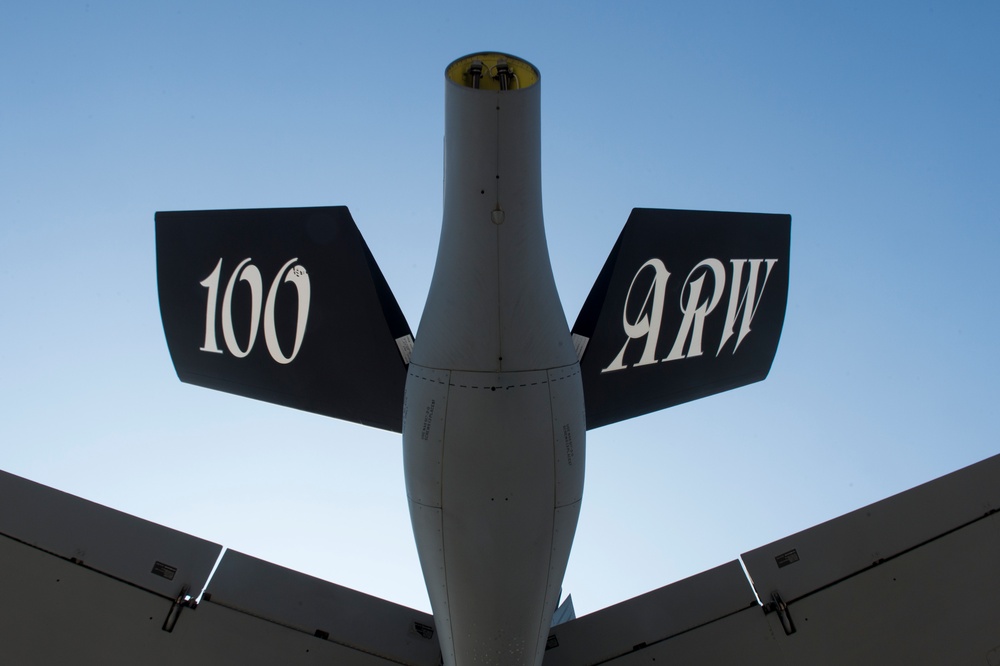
(285, 305)
(689, 303)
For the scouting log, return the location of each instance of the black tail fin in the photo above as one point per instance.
(285, 305)
(669, 318)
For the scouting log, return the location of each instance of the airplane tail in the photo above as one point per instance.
(689, 303)
(285, 305)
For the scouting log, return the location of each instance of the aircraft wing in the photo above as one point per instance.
(285, 305)
(689, 303)
(83, 583)
(912, 579)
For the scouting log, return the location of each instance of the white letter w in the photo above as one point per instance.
(746, 302)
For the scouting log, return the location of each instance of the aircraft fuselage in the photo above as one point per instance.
(494, 423)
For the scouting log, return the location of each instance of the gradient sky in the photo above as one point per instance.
(875, 125)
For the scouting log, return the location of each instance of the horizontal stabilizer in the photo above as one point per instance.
(285, 305)
(689, 303)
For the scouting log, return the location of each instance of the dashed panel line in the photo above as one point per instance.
(494, 387)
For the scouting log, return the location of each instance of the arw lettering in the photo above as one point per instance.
(697, 301)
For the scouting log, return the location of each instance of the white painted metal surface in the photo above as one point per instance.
(494, 426)
(492, 304)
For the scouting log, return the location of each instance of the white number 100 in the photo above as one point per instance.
(247, 272)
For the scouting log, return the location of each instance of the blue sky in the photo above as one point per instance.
(875, 125)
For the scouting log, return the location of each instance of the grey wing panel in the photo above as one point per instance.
(83, 583)
(348, 618)
(149, 556)
(56, 611)
(285, 305)
(689, 303)
(803, 563)
(910, 579)
(648, 620)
